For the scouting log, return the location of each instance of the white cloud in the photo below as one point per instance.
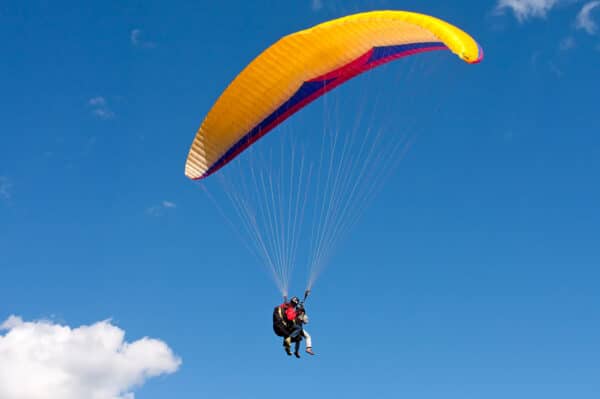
(5, 188)
(584, 18)
(137, 39)
(157, 210)
(316, 5)
(100, 108)
(41, 360)
(524, 9)
(567, 43)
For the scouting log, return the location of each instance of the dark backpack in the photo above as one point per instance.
(279, 324)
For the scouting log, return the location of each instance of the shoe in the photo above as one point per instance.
(297, 354)
(309, 351)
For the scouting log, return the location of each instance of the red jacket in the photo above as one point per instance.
(290, 312)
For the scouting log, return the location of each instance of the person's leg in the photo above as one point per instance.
(296, 331)
(287, 341)
(287, 345)
(297, 347)
(308, 339)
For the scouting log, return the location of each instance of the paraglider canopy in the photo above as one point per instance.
(304, 65)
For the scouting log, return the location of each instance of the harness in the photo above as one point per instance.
(281, 325)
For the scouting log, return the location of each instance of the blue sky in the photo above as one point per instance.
(473, 274)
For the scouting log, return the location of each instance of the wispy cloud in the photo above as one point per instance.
(103, 113)
(525, 9)
(169, 204)
(567, 43)
(42, 359)
(100, 108)
(97, 102)
(5, 188)
(555, 69)
(157, 210)
(137, 39)
(584, 19)
(316, 5)
(542, 63)
(135, 36)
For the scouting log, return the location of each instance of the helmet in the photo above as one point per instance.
(294, 301)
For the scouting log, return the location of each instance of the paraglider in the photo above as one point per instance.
(289, 319)
(293, 72)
